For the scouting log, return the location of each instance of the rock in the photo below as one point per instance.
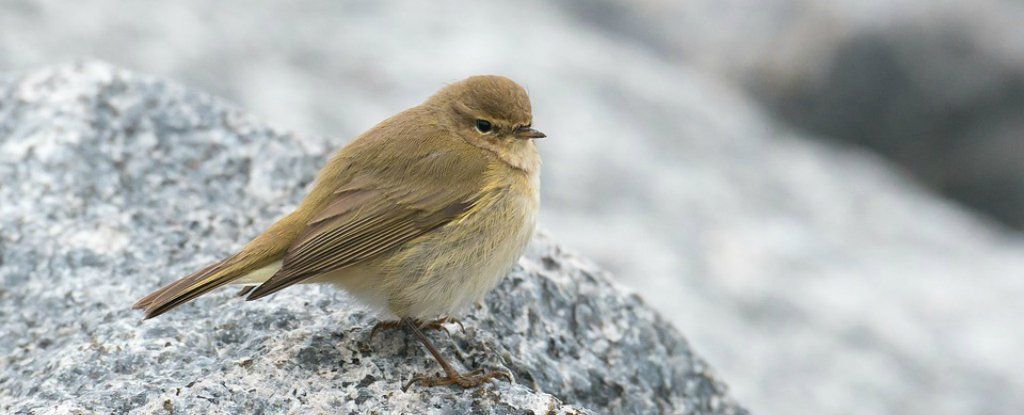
(937, 86)
(115, 183)
(814, 277)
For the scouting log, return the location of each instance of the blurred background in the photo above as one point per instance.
(826, 197)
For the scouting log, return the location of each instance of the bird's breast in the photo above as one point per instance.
(462, 261)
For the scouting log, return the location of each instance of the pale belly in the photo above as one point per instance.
(460, 263)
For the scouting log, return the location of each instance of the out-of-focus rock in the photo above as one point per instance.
(114, 184)
(937, 86)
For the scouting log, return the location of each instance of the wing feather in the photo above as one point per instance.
(361, 224)
(399, 182)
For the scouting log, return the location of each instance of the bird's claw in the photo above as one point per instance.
(437, 324)
(470, 380)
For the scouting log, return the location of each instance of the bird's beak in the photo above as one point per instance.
(527, 133)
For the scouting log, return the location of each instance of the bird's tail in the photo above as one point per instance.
(232, 269)
(253, 264)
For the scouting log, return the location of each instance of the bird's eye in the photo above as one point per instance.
(483, 126)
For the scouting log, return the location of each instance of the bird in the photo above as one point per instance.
(416, 218)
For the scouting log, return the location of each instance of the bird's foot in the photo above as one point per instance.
(437, 324)
(470, 380)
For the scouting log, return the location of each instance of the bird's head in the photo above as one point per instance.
(491, 112)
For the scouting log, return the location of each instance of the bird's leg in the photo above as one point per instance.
(452, 377)
(437, 324)
(384, 325)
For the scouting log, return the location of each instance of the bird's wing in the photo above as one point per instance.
(371, 216)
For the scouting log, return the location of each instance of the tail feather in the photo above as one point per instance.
(240, 268)
(148, 300)
(265, 251)
(192, 286)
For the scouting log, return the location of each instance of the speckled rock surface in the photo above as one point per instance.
(113, 184)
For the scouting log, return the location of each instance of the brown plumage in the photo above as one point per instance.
(417, 217)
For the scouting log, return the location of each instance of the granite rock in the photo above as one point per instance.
(816, 278)
(115, 183)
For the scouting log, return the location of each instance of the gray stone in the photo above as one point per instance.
(114, 183)
(937, 86)
(815, 278)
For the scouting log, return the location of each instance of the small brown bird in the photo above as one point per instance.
(417, 217)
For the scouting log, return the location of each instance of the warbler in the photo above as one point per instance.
(416, 218)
